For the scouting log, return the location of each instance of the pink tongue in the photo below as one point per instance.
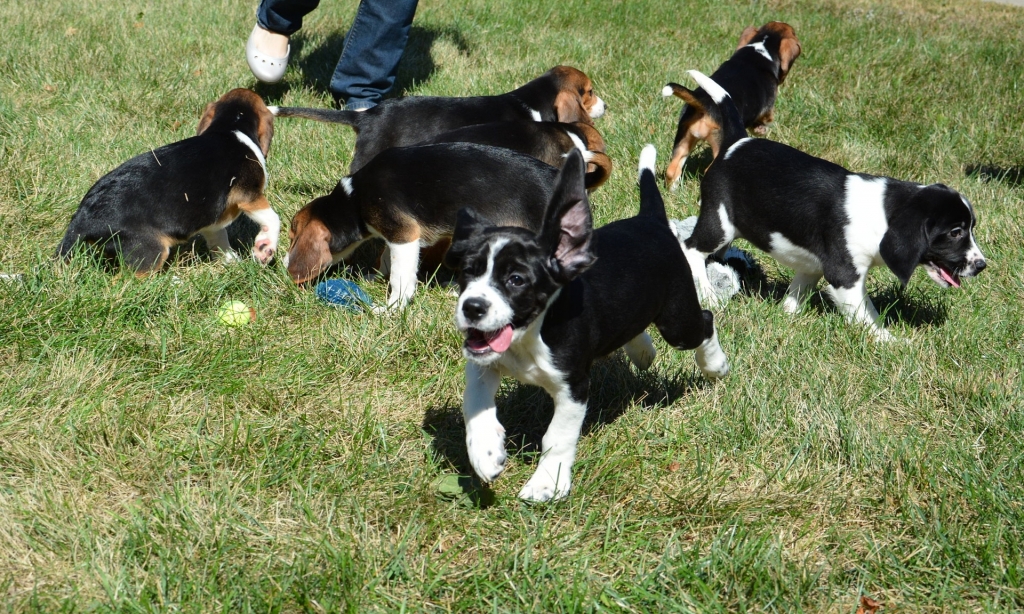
(949, 278)
(501, 340)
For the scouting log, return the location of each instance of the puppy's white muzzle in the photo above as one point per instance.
(598, 109)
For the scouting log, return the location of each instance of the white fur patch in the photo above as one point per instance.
(405, 261)
(648, 158)
(864, 205)
(667, 91)
(716, 91)
(759, 47)
(598, 109)
(735, 146)
(795, 257)
(256, 150)
(587, 154)
(274, 110)
(346, 184)
(536, 115)
(728, 230)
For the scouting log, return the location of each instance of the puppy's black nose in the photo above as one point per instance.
(979, 266)
(475, 308)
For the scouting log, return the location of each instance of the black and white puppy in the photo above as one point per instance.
(820, 219)
(542, 306)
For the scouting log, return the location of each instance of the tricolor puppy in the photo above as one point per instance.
(820, 219)
(409, 197)
(549, 142)
(163, 197)
(542, 306)
(752, 77)
(563, 94)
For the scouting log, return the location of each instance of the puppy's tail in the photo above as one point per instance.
(331, 116)
(651, 204)
(712, 99)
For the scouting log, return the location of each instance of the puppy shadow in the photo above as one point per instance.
(893, 302)
(416, 66)
(525, 411)
(1012, 175)
(697, 163)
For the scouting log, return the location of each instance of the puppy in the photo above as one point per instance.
(752, 77)
(822, 220)
(549, 142)
(163, 197)
(409, 196)
(563, 94)
(542, 306)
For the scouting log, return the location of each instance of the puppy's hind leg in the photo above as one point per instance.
(685, 326)
(217, 241)
(641, 351)
(145, 254)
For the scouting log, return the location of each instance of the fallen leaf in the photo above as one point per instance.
(197, 72)
(674, 466)
(50, 88)
(868, 605)
(176, 125)
(139, 24)
(70, 31)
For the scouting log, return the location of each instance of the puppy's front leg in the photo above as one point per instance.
(485, 437)
(265, 245)
(404, 262)
(553, 477)
(799, 288)
(217, 241)
(856, 305)
(698, 267)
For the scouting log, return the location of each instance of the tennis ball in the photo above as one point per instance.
(236, 313)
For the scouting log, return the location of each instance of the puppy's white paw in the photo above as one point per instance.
(883, 336)
(791, 306)
(547, 485)
(486, 446)
(228, 255)
(641, 351)
(711, 359)
(263, 249)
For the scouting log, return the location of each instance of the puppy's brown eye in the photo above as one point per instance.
(956, 233)
(515, 281)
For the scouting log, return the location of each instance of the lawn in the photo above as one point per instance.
(154, 460)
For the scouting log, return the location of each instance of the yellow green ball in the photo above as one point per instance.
(235, 313)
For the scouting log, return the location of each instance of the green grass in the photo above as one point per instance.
(152, 460)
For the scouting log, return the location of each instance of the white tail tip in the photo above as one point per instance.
(717, 93)
(274, 109)
(666, 91)
(648, 156)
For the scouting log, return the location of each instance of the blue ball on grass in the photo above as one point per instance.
(343, 293)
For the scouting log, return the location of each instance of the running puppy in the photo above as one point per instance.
(542, 306)
(820, 219)
(409, 197)
(752, 77)
(163, 197)
(562, 94)
(549, 142)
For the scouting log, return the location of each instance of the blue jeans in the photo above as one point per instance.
(371, 51)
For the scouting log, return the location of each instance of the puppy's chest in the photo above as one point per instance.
(530, 361)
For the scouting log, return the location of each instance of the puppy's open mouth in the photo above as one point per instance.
(484, 342)
(942, 276)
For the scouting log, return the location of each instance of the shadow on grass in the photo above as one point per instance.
(525, 411)
(697, 163)
(417, 64)
(1012, 175)
(893, 302)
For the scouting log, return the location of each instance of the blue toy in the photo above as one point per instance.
(343, 293)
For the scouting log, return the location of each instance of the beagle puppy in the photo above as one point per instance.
(549, 142)
(562, 94)
(410, 197)
(752, 77)
(165, 196)
(822, 220)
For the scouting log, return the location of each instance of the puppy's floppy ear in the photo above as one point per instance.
(904, 244)
(569, 108)
(748, 35)
(467, 224)
(207, 118)
(310, 252)
(789, 51)
(567, 231)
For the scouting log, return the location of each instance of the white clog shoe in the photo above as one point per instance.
(267, 69)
